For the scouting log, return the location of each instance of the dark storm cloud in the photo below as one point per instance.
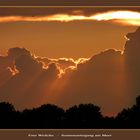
(68, 2)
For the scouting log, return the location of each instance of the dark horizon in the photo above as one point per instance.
(83, 116)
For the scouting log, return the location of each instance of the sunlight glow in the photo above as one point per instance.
(121, 17)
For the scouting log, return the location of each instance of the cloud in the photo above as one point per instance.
(132, 64)
(122, 17)
(26, 64)
(100, 80)
(109, 79)
(49, 11)
(68, 3)
(27, 87)
(62, 62)
(4, 62)
(5, 69)
(13, 53)
(5, 75)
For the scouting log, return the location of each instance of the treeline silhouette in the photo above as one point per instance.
(83, 116)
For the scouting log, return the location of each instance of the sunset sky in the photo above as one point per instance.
(70, 55)
(55, 39)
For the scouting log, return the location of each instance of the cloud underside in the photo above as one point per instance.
(109, 79)
(121, 17)
(68, 3)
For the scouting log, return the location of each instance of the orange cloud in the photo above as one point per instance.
(122, 17)
(110, 79)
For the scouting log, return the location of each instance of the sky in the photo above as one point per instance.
(67, 56)
(62, 39)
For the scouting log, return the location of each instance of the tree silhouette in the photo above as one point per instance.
(138, 101)
(78, 116)
(8, 115)
(84, 115)
(46, 116)
(6, 107)
(130, 118)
